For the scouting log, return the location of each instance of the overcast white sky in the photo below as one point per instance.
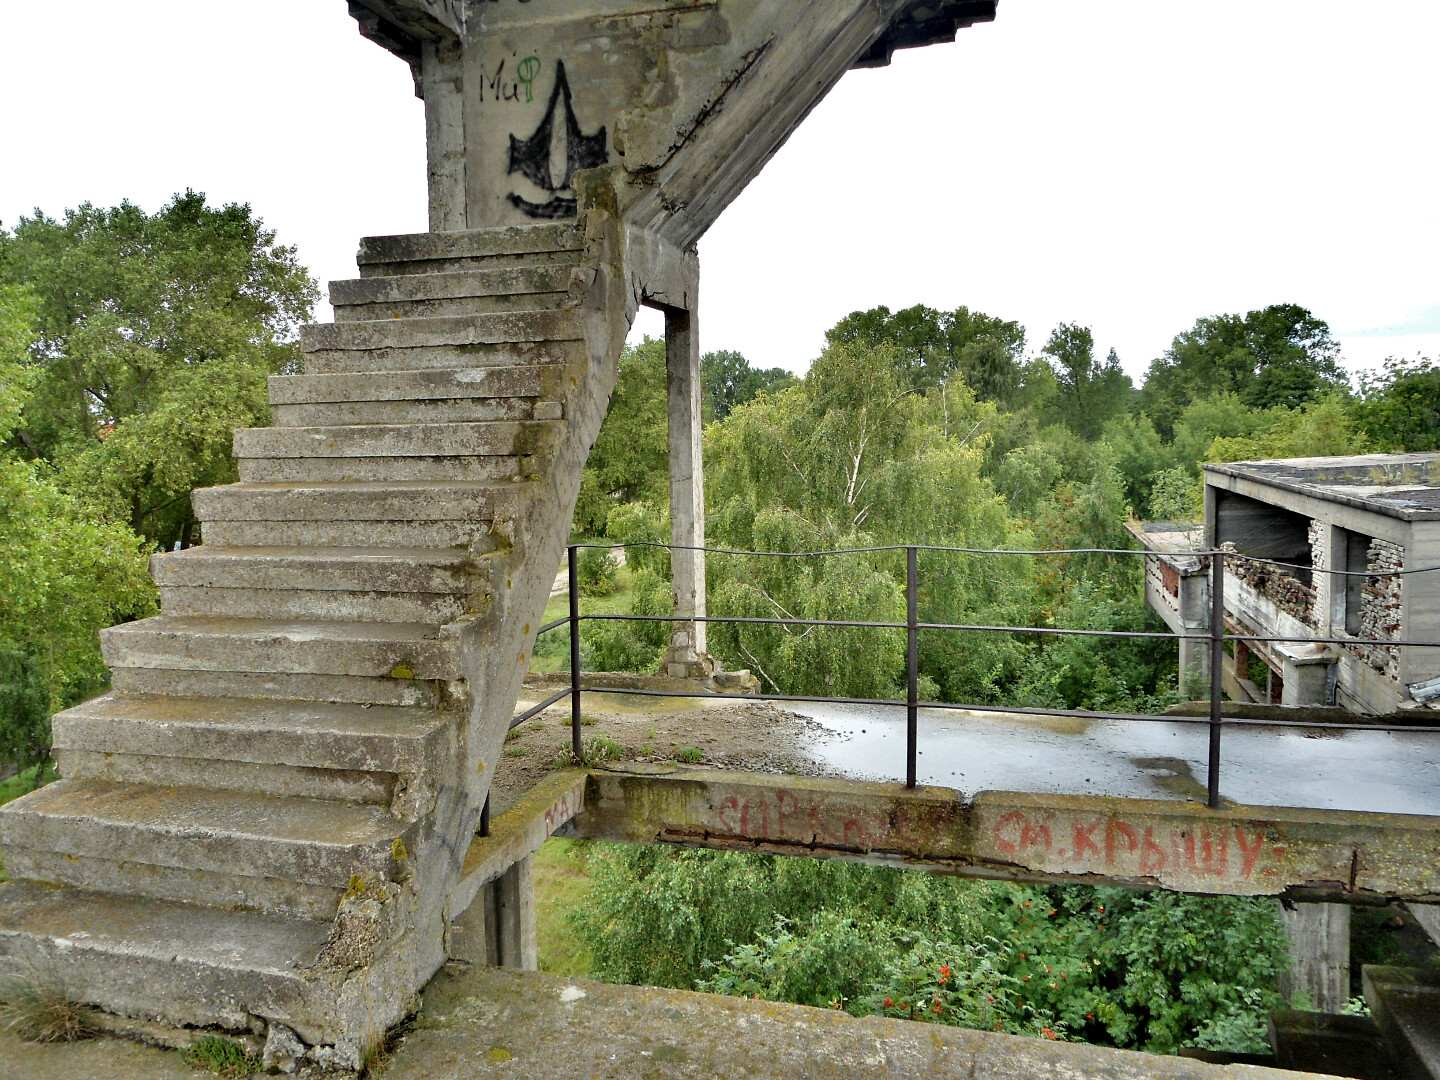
(1126, 164)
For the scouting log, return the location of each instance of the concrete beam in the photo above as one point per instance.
(1320, 855)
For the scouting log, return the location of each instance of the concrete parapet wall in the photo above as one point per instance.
(1244, 851)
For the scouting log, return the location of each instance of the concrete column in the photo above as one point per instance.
(687, 656)
(1319, 955)
(1194, 604)
(443, 74)
(515, 917)
(499, 929)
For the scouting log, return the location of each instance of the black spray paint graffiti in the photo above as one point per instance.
(564, 146)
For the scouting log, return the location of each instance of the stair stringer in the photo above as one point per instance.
(496, 645)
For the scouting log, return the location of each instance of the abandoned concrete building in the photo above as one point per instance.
(271, 825)
(1335, 532)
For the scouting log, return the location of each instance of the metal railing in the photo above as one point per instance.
(1217, 637)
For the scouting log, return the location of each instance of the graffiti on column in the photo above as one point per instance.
(557, 150)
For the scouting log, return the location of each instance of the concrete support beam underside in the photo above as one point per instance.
(1317, 855)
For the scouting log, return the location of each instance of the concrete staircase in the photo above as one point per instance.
(258, 828)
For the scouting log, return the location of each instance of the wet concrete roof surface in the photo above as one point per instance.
(1399, 485)
(999, 751)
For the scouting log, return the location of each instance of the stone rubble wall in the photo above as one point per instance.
(1277, 585)
(1380, 607)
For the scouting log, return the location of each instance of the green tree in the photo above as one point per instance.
(1141, 970)
(1399, 408)
(155, 337)
(1278, 355)
(67, 573)
(729, 380)
(1090, 393)
(931, 345)
(630, 460)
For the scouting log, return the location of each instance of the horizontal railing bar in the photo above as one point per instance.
(1081, 714)
(538, 709)
(1008, 551)
(552, 625)
(1042, 630)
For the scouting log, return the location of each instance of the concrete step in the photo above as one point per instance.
(415, 397)
(346, 470)
(1325, 1043)
(404, 357)
(528, 381)
(191, 964)
(487, 439)
(420, 253)
(367, 569)
(307, 749)
(287, 686)
(471, 503)
(201, 845)
(435, 515)
(502, 329)
(449, 411)
(1405, 1004)
(449, 307)
(381, 607)
(531, 286)
(395, 651)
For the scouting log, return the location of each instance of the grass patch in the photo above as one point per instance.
(23, 783)
(515, 751)
(222, 1056)
(38, 1007)
(562, 881)
(691, 755)
(545, 660)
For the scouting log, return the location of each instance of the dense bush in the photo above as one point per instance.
(1144, 970)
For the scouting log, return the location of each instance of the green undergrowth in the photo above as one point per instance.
(552, 652)
(562, 882)
(224, 1057)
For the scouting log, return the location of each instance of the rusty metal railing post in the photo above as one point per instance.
(1217, 667)
(912, 665)
(574, 568)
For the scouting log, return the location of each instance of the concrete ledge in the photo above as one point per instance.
(1326, 855)
(480, 1022)
(519, 833)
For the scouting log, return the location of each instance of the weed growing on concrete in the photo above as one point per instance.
(379, 1054)
(222, 1056)
(38, 1007)
(601, 748)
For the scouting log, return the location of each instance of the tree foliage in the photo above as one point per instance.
(1138, 970)
(1278, 355)
(155, 335)
(729, 381)
(67, 573)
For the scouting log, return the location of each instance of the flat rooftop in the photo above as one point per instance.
(1398, 485)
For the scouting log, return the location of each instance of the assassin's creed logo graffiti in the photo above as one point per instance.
(550, 158)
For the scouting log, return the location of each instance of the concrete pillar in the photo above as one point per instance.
(1319, 955)
(499, 929)
(1305, 674)
(687, 656)
(516, 929)
(443, 74)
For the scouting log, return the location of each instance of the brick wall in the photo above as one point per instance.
(1288, 593)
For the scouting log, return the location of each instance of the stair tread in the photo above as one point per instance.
(205, 814)
(295, 630)
(470, 243)
(443, 557)
(499, 382)
(160, 930)
(479, 282)
(392, 723)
